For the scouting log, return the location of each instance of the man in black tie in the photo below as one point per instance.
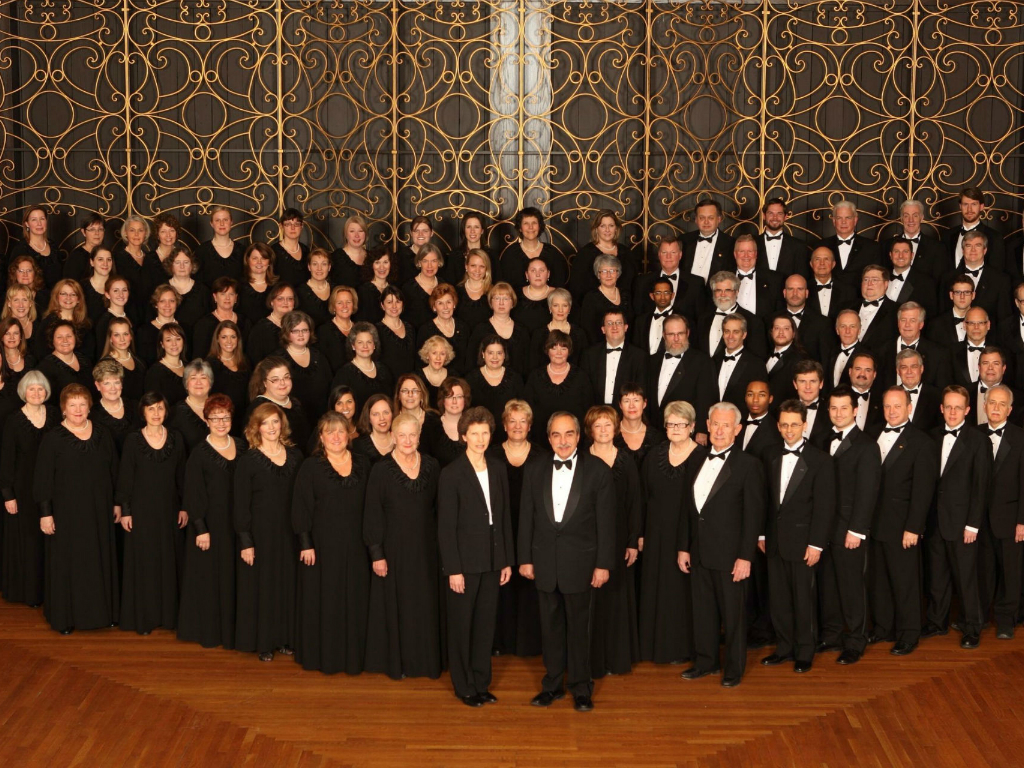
(709, 249)
(753, 439)
(760, 290)
(689, 297)
(614, 362)
(837, 370)
(567, 546)
(735, 367)
(948, 329)
(967, 356)
(908, 282)
(777, 250)
(877, 311)
(972, 210)
(708, 335)
(786, 353)
(910, 319)
(844, 563)
(809, 381)
(852, 252)
(647, 327)
(828, 296)
(816, 334)
(929, 253)
(989, 283)
(721, 517)
(992, 372)
(964, 464)
(680, 373)
(863, 375)
(909, 472)
(801, 505)
(1011, 335)
(925, 399)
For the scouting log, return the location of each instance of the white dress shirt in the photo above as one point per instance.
(715, 333)
(896, 286)
(915, 240)
(789, 461)
(668, 368)
(867, 313)
(960, 243)
(726, 371)
(611, 367)
(747, 295)
(914, 394)
(961, 327)
(702, 256)
(772, 249)
(654, 335)
(561, 482)
(812, 414)
(948, 440)
(824, 296)
(994, 438)
(833, 447)
(887, 440)
(862, 408)
(750, 430)
(706, 478)
(485, 486)
(776, 357)
(982, 399)
(973, 356)
(844, 250)
(842, 363)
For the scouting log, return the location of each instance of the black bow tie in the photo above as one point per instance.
(670, 356)
(792, 451)
(912, 239)
(965, 231)
(769, 238)
(982, 388)
(559, 463)
(755, 422)
(748, 276)
(908, 346)
(721, 313)
(893, 429)
(972, 348)
(777, 355)
(812, 406)
(722, 455)
(826, 287)
(998, 432)
(796, 315)
(958, 320)
(732, 358)
(702, 239)
(862, 395)
(847, 350)
(875, 303)
(913, 391)
(613, 349)
(845, 242)
(668, 277)
(898, 277)
(973, 272)
(662, 315)
(953, 432)
(836, 436)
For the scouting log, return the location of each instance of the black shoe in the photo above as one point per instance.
(775, 659)
(802, 666)
(145, 633)
(268, 656)
(1004, 634)
(969, 641)
(582, 703)
(872, 639)
(487, 697)
(955, 625)
(497, 652)
(545, 698)
(825, 647)
(848, 657)
(933, 631)
(696, 674)
(284, 650)
(67, 631)
(471, 701)
(730, 682)
(903, 649)
(34, 605)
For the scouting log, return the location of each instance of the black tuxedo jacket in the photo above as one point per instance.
(469, 544)
(768, 292)
(765, 438)
(909, 473)
(756, 335)
(843, 295)
(942, 330)
(564, 555)
(874, 421)
(1005, 497)
(938, 369)
(931, 256)
(992, 292)
(816, 334)
(858, 471)
(632, 368)
(961, 369)
(961, 490)
(883, 326)
(726, 529)
(863, 252)
(1016, 416)
(1009, 338)
(995, 256)
(804, 516)
(693, 381)
(926, 414)
(830, 364)
(780, 377)
(822, 426)
(919, 286)
(689, 301)
(748, 368)
(722, 259)
(794, 257)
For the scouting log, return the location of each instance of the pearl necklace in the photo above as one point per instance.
(270, 455)
(75, 429)
(209, 439)
(622, 428)
(112, 411)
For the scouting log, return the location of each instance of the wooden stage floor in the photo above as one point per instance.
(110, 698)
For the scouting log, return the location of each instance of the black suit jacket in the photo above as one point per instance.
(726, 529)
(756, 335)
(961, 490)
(858, 471)
(767, 292)
(830, 364)
(804, 516)
(794, 257)
(874, 421)
(961, 368)
(942, 330)
(780, 377)
(843, 295)
(632, 368)
(883, 326)
(722, 259)
(747, 369)
(817, 334)
(931, 256)
(938, 369)
(863, 252)
(992, 292)
(822, 427)
(469, 544)
(919, 286)
(1005, 497)
(693, 381)
(909, 472)
(765, 438)
(926, 414)
(564, 555)
(690, 297)
(995, 255)
(1009, 338)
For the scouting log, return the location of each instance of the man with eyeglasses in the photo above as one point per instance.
(948, 329)
(708, 334)
(876, 310)
(967, 355)
(910, 322)
(614, 362)
(990, 283)
(852, 252)
(926, 399)
(735, 367)
(680, 373)
(759, 289)
(689, 291)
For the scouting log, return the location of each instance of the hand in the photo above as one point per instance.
(380, 567)
(526, 571)
(457, 583)
(600, 578)
(506, 574)
(631, 555)
(1018, 535)
(970, 536)
(761, 545)
(640, 544)
(701, 439)
(203, 541)
(852, 542)
(126, 523)
(740, 569)
(182, 518)
(11, 506)
(249, 555)
(308, 556)
(683, 558)
(117, 513)
(47, 526)
(811, 556)
(909, 539)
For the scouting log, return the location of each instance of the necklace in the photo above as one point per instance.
(414, 469)
(672, 452)
(299, 351)
(60, 356)
(117, 356)
(507, 445)
(387, 447)
(75, 429)
(194, 407)
(209, 439)
(118, 407)
(622, 428)
(175, 367)
(14, 362)
(270, 455)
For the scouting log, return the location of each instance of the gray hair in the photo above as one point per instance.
(908, 203)
(558, 414)
(605, 261)
(364, 327)
(911, 306)
(736, 317)
(559, 293)
(133, 219)
(728, 408)
(977, 234)
(724, 277)
(907, 354)
(999, 387)
(30, 379)
(844, 204)
(680, 408)
(196, 368)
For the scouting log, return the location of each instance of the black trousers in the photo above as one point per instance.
(1008, 555)
(895, 590)
(718, 601)
(565, 624)
(759, 617)
(842, 586)
(953, 564)
(794, 614)
(471, 620)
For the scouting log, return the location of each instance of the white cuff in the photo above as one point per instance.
(860, 536)
(972, 530)
(760, 538)
(814, 547)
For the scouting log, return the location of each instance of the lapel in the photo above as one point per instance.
(846, 443)
(799, 473)
(549, 501)
(573, 501)
(961, 362)
(723, 475)
(896, 451)
(1002, 453)
(475, 483)
(678, 372)
(956, 450)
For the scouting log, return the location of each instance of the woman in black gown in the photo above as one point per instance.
(560, 306)
(182, 271)
(258, 276)
(607, 296)
(311, 374)
(15, 359)
(502, 299)
(225, 299)
(334, 578)
(636, 437)
(397, 337)
(264, 483)
(120, 347)
(615, 646)
(419, 289)
(472, 237)
(313, 295)
(559, 386)
(529, 223)
(518, 629)
(220, 256)
(65, 364)
(265, 336)
(332, 335)
(350, 261)
(165, 376)
(473, 307)
(666, 610)
(421, 231)
(271, 382)
(165, 301)
(207, 612)
(364, 374)
(21, 579)
(532, 310)
(375, 440)
(383, 272)
(438, 356)
(36, 243)
(76, 471)
(113, 411)
(493, 383)
(605, 232)
(94, 285)
(441, 435)
(149, 488)
(93, 228)
(443, 303)
(290, 255)
(20, 305)
(187, 416)
(230, 371)
(403, 637)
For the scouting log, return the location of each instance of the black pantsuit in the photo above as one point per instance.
(471, 618)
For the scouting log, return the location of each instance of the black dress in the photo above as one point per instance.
(594, 305)
(317, 308)
(531, 314)
(362, 386)
(296, 415)
(517, 346)
(103, 322)
(459, 341)
(49, 265)
(188, 424)
(370, 310)
(94, 302)
(234, 384)
(207, 612)
(265, 614)
(212, 265)
(399, 354)
(575, 395)
(333, 345)
(289, 269)
(363, 445)
(204, 328)
(472, 312)
(494, 398)
(74, 482)
(119, 429)
(513, 263)
(518, 628)
(615, 646)
(194, 305)
(21, 577)
(142, 278)
(436, 442)
(344, 271)
(652, 437)
(162, 379)
(252, 304)
(583, 280)
(133, 385)
(149, 488)
(333, 593)
(60, 374)
(538, 357)
(666, 610)
(263, 339)
(147, 343)
(76, 266)
(417, 309)
(403, 637)
(310, 384)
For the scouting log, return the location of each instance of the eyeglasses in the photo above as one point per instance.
(975, 323)
(962, 293)
(614, 323)
(455, 397)
(408, 392)
(608, 272)
(95, 229)
(676, 424)
(218, 419)
(873, 280)
(279, 379)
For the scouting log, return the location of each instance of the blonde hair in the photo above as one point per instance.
(260, 414)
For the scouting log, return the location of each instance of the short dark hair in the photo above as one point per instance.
(793, 406)
(706, 202)
(808, 366)
(530, 212)
(775, 201)
(971, 193)
(844, 390)
(475, 415)
(150, 399)
(557, 338)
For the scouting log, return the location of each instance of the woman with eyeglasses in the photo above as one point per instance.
(265, 336)
(271, 382)
(558, 386)
(230, 370)
(606, 296)
(375, 440)
(502, 299)
(291, 256)
(220, 256)
(189, 416)
(94, 232)
(411, 397)
(311, 375)
(67, 302)
(441, 435)
(119, 345)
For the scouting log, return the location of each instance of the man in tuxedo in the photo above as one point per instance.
(680, 373)
(724, 290)
(567, 547)
(876, 310)
(786, 353)
(777, 250)
(852, 252)
(689, 297)
(722, 515)
(929, 253)
(848, 331)
(613, 363)
(989, 283)
(972, 210)
(709, 249)
(908, 282)
(808, 381)
(910, 323)
(964, 464)
(759, 289)
(863, 374)
(948, 329)
(801, 506)
(647, 326)
(826, 295)
(815, 331)
(1010, 336)
(844, 563)
(992, 372)
(1002, 548)
(735, 368)
(758, 434)
(967, 355)
(925, 399)
(909, 472)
